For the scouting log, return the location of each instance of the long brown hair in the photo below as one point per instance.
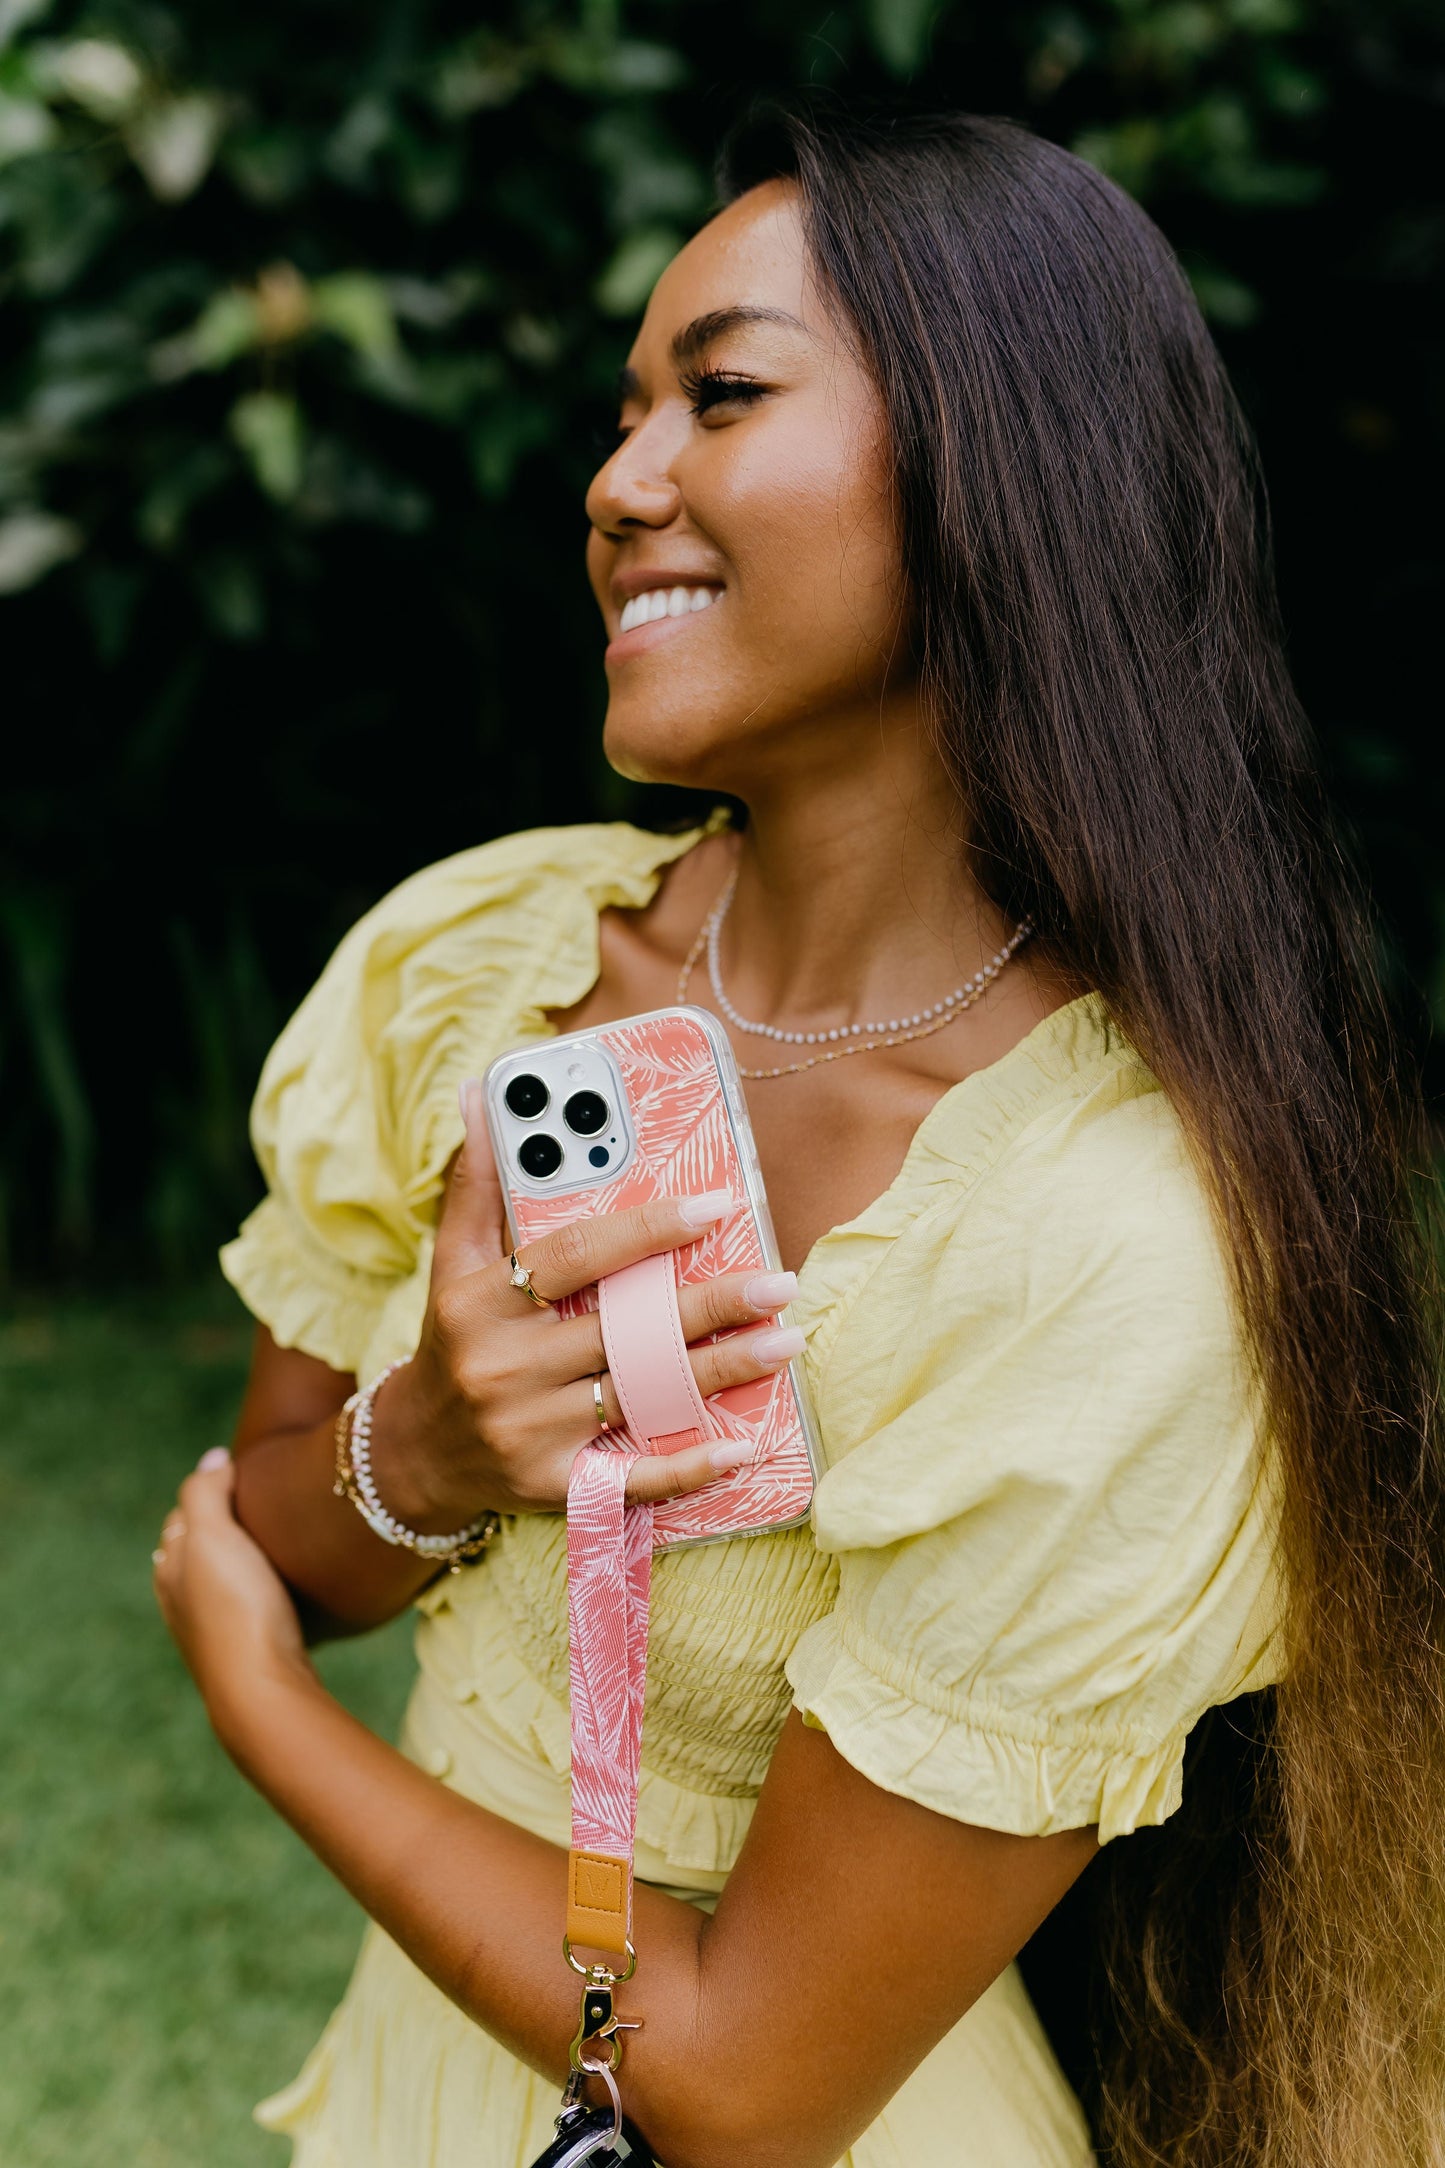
(1086, 545)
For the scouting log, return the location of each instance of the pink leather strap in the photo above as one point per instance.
(609, 1578)
(647, 1356)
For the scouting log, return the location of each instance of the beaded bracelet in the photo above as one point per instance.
(354, 1481)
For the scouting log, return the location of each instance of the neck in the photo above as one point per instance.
(853, 899)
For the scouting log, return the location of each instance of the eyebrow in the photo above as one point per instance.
(696, 337)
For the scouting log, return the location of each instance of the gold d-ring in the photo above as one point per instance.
(522, 1278)
(616, 1979)
(603, 1426)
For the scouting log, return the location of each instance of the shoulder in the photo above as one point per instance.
(458, 930)
(442, 972)
(1092, 1180)
(533, 870)
(1055, 1310)
(355, 1113)
(1053, 1191)
(1079, 1204)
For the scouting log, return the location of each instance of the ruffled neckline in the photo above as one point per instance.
(967, 1124)
(625, 876)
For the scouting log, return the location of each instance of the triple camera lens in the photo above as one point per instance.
(527, 1097)
(585, 1113)
(540, 1156)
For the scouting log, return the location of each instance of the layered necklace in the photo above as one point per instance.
(843, 1039)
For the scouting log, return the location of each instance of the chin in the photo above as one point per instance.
(680, 745)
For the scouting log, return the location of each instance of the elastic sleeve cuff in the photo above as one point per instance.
(1001, 1771)
(308, 1298)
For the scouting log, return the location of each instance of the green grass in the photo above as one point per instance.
(168, 1950)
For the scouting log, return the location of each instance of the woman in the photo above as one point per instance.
(1109, 1281)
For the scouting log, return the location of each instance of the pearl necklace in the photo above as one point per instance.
(864, 1038)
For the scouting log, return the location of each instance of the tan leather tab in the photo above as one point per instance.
(597, 1901)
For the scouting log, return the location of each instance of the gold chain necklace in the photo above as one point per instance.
(955, 1005)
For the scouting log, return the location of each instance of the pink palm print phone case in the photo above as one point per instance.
(681, 1128)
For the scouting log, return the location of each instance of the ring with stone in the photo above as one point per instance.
(522, 1278)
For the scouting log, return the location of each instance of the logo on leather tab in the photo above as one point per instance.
(596, 1884)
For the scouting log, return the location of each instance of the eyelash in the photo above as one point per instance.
(705, 387)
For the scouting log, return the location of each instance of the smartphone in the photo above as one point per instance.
(653, 1107)
(589, 2138)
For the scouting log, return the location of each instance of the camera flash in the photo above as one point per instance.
(575, 1069)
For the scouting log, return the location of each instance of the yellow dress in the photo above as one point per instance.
(1040, 1550)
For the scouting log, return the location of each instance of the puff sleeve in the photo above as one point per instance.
(1048, 1493)
(355, 1115)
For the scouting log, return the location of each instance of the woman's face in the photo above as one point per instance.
(749, 495)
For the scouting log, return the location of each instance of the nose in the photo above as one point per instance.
(636, 487)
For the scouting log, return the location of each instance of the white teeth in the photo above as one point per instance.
(664, 602)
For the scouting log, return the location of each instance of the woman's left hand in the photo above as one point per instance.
(227, 1607)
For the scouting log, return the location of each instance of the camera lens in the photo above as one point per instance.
(586, 1113)
(526, 1097)
(539, 1157)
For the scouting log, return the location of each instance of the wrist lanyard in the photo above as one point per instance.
(609, 1578)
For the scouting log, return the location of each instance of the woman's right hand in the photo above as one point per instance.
(498, 1401)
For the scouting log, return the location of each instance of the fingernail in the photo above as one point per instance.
(702, 1211)
(729, 1456)
(778, 1345)
(770, 1290)
(215, 1456)
(464, 1090)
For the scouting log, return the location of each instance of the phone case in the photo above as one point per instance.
(687, 1132)
(585, 2139)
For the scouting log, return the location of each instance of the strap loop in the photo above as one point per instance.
(647, 1355)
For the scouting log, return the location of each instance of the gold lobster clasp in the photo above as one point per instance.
(598, 2020)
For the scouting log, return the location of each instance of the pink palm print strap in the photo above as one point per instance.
(609, 1577)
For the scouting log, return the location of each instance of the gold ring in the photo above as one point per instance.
(522, 1278)
(603, 1426)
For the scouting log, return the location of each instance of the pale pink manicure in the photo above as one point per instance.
(770, 1290)
(215, 1456)
(464, 1091)
(723, 1457)
(778, 1345)
(702, 1211)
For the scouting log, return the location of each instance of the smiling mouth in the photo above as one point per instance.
(659, 602)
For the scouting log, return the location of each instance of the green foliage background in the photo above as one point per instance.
(308, 312)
